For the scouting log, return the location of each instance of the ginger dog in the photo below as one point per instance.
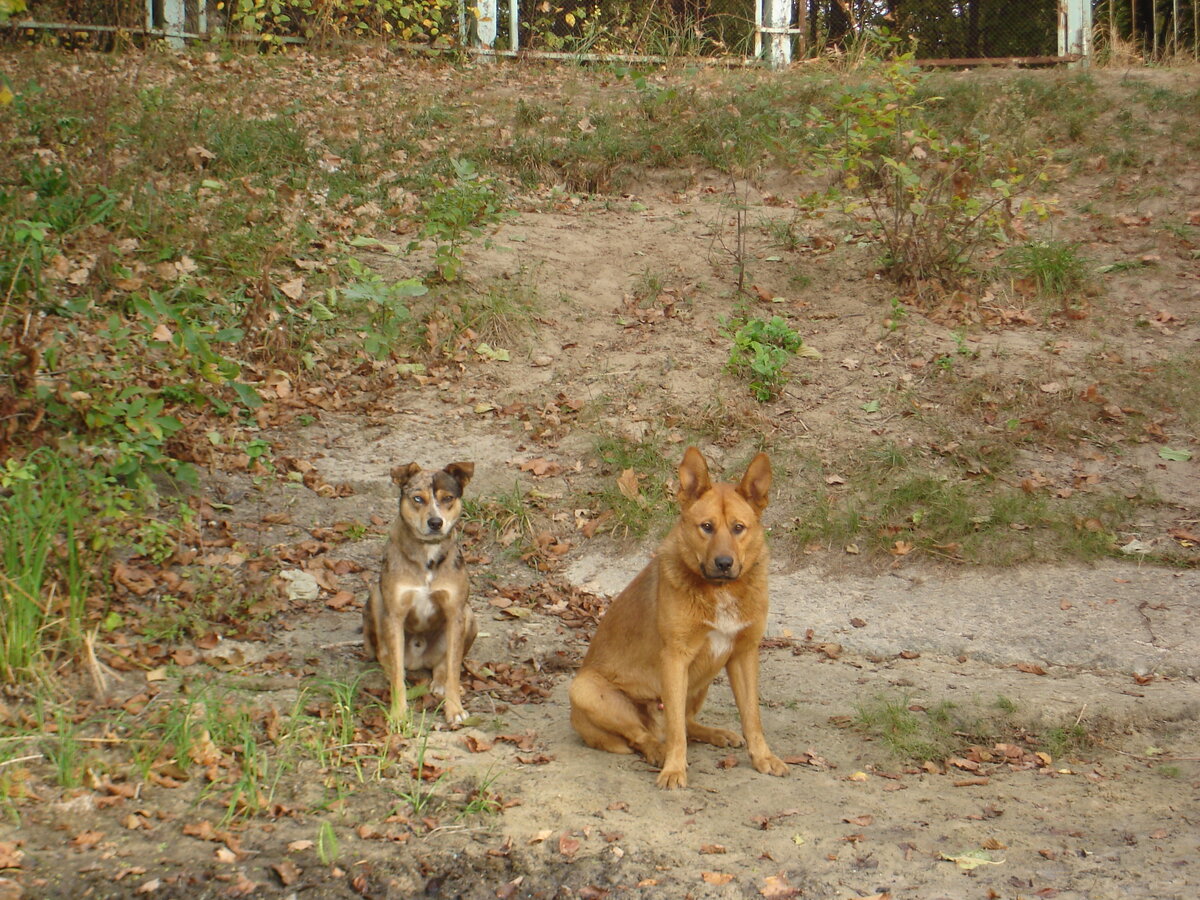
(700, 605)
(417, 616)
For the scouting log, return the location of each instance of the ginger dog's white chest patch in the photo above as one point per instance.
(724, 626)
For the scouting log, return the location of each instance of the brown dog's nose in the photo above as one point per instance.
(723, 563)
(434, 523)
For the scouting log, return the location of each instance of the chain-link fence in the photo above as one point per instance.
(934, 29)
(1148, 29)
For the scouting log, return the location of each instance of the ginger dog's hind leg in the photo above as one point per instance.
(608, 720)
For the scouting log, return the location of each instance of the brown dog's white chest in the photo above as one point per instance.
(423, 613)
(724, 625)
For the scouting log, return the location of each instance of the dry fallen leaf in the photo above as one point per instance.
(568, 845)
(627, 484)
(776, 887)
(287, 872)
(717, 877)
(10, 855)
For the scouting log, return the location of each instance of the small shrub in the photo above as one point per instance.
(935, 200)
(762, 349)
(456, 212)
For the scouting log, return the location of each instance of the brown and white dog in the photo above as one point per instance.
(699, 606)
(417, 616)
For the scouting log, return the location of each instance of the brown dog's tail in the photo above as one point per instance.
(374, 602)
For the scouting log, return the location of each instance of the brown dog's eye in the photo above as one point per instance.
(706, 527)
(738, 528)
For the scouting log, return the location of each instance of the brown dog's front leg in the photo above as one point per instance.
(743, 681)
(674, 700)
(451, 665)
(389, 649)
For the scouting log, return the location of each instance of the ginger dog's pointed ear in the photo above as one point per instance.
(461, 472)
(693, 477)
(756, 483)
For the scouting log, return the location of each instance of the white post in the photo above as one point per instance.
(485, 20)
(174, 22)
(1075, 28)
(514, 22)
(778, 15)
(758, 28)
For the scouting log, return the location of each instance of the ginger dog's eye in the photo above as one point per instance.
(738, 528)
(706, 527)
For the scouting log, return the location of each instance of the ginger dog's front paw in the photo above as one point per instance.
(770, 765)
(670, 779)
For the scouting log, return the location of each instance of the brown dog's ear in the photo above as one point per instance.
(401, 474)
(461, 472)
(693, 477)
(756, 483)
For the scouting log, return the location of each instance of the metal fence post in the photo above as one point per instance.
(174, 22)
(485, 24)
(778, 20)
(1075, 28)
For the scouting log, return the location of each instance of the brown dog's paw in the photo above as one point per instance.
(718, 737)
(770, 765)
(670, 779)
(653, 750)
(454, 712)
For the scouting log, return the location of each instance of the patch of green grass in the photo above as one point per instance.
(421, 790)
(44, 519)
(901, 503)
(634, 503)
(907, 731)
(508, 516)
(920, 731)
(1066, 740)
(328, 845)
(502, 313)
(1054, 266)
(481, 801)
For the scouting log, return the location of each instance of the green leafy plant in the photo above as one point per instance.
(44, 583)
(390, 323)
(934, 200)
(407, 20)
(455, 213)
(9, 8)
(761, 350)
